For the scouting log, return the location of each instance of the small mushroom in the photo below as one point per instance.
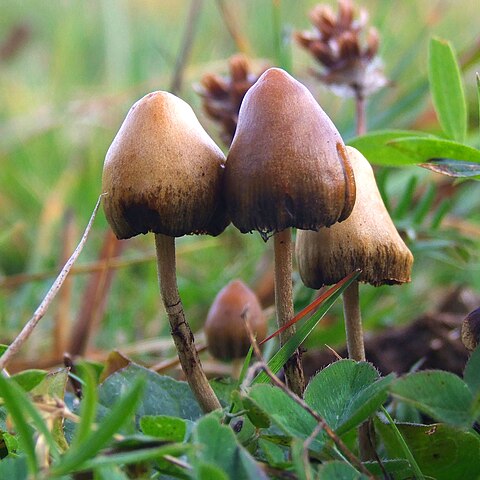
(227, 337)
(286, 168)
(471, 330)
(367, 240)
(163, 174)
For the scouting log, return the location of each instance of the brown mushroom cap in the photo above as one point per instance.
(163, 173)
(367, 240)
(285, 167)
(227, 337)
(471, 330)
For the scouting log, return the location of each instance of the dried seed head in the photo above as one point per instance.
(163, 173)
(367, 240)
(349, 63)
(227, 337)
(471, 330)
(285, 167)
(222, 96)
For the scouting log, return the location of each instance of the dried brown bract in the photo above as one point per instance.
(346, 47)
(222, 96)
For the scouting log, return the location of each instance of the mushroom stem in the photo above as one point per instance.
(181, 332)
(353, 323)
(284, 306)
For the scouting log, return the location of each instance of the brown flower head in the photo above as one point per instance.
(346, 48)
(222, 96)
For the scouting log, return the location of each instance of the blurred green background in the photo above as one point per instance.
(69, 73)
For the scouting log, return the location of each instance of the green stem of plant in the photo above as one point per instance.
(408, 454)
(284, 307)
(181, 332)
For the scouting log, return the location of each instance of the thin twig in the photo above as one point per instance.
(42, 308)
(324, 426)
(187, 42)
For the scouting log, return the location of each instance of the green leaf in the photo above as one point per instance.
(170, 429)
(109, 472)
(286, 351)
(14, 468)
(209, 471)
(120, 413)
(218, 446)
(29, 379)
(441, 395)
(422, 149)
(471, 374)
(376, 148)
(290, 417)
(336, 470)
(447, 89)
(346, 393)
(162, 395)
(453, 168)
(441, 451)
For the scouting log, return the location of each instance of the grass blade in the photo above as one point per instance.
(88, 407)
(96, 440)
(286, 351)
(413, 463)
(15, 405)
(447, 89)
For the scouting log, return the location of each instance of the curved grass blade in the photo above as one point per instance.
(20, 407)
(120, 413)
(408, 454)
(286, 351)
(16, 409)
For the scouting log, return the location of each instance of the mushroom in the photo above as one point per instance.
(163, 174)
(286, 168)
(227, 336)
(367, 240)
(471, 330)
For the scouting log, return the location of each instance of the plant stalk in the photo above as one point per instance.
(284, 307)
(353, 323)
(180, 330)
(360, 112)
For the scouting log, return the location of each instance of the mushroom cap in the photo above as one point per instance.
(227, 337)
(163, 173)
(367, 240)
(471, 330)
(285, 167)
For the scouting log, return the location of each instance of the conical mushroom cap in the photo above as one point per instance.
(367, 240)
(163, 173)
(227, 337)
(285, 167)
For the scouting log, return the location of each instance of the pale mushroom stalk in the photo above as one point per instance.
(284, 306)
(353, 322)
(180, 329)
(163, 174)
